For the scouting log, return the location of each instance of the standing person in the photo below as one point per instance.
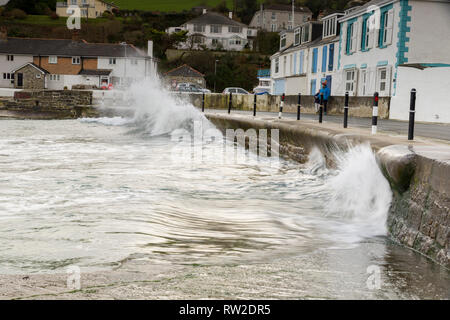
(326, 94)
(316, 102)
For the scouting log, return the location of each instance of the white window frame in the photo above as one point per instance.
(234, 29)
(10, 57)
(199, 28)
(297, 34)
(386, 81)
(283, 41)
(112, 61)
(350, 84)
(76, 60)
(53, 59)
(215, 28)
(277, 65)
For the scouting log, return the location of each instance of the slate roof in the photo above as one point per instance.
(33, 65)
(57, 47)
(287, 7)
(97, 72)
(184, 71)
(214, 18)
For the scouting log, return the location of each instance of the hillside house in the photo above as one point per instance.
(215, 31)
(88, 8)
(278, 17)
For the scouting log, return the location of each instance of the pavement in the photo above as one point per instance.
(427, 130)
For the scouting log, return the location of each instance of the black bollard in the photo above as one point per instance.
(281, 106)
(298, 105)
(254, 106)
(412, 113)
(203, 102)
(346, 110)
(230, 102)
(321, 109)
(375, 113)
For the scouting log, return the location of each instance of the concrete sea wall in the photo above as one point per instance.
(419, 176)
(358, 106)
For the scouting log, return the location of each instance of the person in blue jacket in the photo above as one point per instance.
(326, 95)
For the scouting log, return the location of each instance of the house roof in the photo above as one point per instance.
(58, 47)
(110, 3)
(214, 18)
(287, 7)
(97, 72)
(184, 71)
(43, 71)
(362, 6)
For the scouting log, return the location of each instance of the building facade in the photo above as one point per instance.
(88, 8)
(307, 57)
(184, 74)
(71, 63)
(278, 17)
(215, 31)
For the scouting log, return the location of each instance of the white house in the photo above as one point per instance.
(392, 46)
(278, 17)
(216, 31)
(73, 62)
(307, 57)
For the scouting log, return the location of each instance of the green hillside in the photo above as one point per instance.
(166, 5)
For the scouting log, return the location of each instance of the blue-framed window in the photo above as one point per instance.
(314, 62)
(351, 37)
(366, 32)
(313, 87)
(302, 54)
(386, 26)
(331, 59)
(324, 58)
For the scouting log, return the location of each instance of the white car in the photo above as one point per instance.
(235, 91)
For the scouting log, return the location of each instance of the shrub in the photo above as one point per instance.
(17, 14)
(54, 16)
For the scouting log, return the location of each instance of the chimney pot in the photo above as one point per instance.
(205, 11)
(230, 14)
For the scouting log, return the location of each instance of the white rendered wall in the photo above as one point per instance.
(432, 85)
(7, 66)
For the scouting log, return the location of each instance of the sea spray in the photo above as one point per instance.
(360, 194)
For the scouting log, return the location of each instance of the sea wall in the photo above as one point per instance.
(48, 104)
(358, 106)
(419, 175)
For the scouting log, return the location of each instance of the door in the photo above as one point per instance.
(329, 79)
(20, 79)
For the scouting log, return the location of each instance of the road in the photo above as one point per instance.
(427, 130)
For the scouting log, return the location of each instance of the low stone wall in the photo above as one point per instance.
(358, 106)
(419, 176)
(48, 104)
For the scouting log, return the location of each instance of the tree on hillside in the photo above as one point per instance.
(245, 9)
(32, 6)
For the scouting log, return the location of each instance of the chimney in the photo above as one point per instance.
(150, 49)
(3, 33)
(230, 14)
(205, 11)
(75, 35)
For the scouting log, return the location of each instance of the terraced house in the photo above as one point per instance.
(307, 57)
(384, 46)
(215, 31)
(393, 46)
(88, 8)
(58, 64)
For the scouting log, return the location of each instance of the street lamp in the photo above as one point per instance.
(215, 73)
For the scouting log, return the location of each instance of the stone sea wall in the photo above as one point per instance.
(419, 217)
(358, 106)
(48, 104)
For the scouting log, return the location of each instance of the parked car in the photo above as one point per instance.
(191, 87)
(235, 90)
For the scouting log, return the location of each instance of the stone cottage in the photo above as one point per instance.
(184, 74)
(30, 76)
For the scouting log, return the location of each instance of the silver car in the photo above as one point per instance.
(235, 90)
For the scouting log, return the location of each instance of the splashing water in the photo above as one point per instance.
(360, 194)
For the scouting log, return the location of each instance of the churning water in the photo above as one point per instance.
(101, 193)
